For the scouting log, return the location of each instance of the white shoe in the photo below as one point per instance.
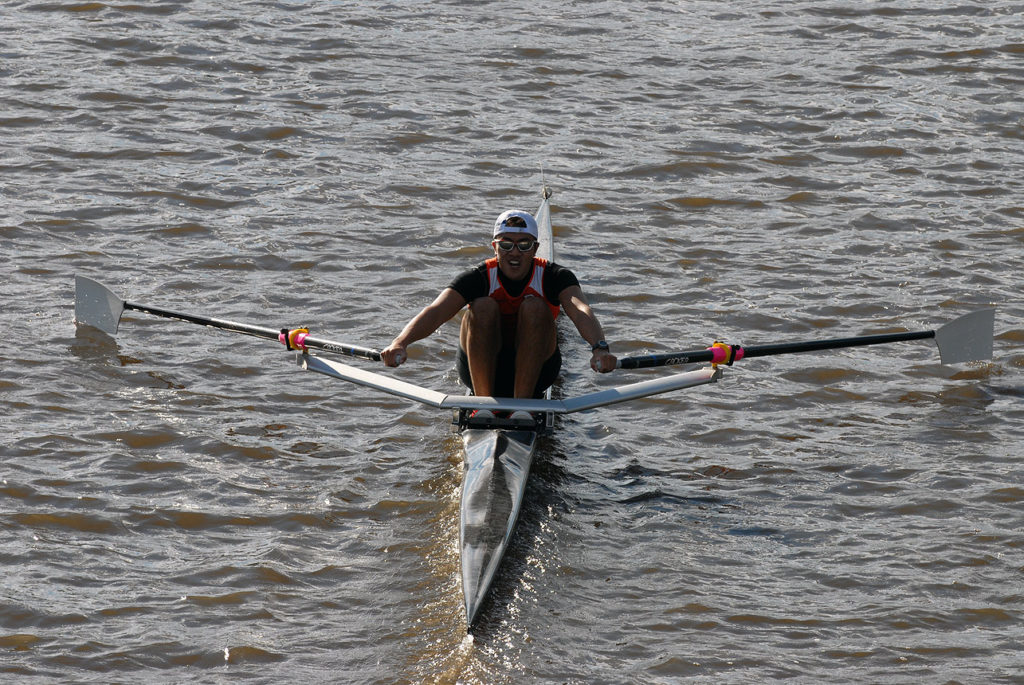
(482, 414)
(521, 415)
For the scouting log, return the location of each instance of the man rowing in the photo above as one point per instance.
(508, 346)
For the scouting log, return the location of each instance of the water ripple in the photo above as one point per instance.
(179, 499)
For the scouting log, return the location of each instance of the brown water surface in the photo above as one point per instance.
(181, 504)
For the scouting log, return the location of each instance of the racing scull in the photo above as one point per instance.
(499, 451)
(497, 463)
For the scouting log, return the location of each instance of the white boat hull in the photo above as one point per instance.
(497, 464)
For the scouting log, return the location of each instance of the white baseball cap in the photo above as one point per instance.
(515, 221)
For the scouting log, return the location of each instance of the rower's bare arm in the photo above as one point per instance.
(444, 307)
(575, 305)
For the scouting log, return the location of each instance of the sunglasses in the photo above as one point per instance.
(524, 245)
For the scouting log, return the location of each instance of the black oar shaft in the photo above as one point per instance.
(258, 331)
(833, 344)
(697, 356)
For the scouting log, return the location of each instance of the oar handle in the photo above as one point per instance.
(341, 348)
(667, 359)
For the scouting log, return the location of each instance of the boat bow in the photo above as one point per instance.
(497, 465)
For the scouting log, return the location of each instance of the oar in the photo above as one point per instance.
(97, 306)
(968, 338)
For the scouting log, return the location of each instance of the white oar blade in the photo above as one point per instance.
(968, 338)
(96, 305)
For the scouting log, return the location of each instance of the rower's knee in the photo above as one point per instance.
(483, 314)
(484, 307)
(534, 310)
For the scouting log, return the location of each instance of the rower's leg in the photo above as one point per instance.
(480, 337)
(535, 342)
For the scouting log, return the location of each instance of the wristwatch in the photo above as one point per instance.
(601, 345)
